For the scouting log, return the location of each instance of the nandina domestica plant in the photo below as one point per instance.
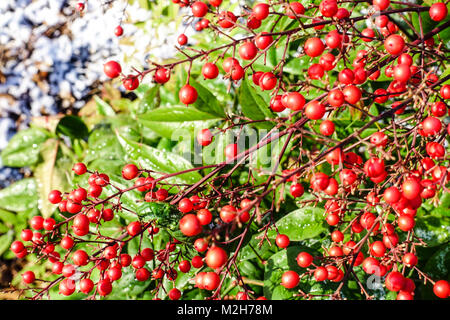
(314, 174)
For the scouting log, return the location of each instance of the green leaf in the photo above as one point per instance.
(437, 267)
(248, 251)
(253, 105)
(151, 100)
(19, 196)
(8, 217)
(53, 173)
(23, 149)
(267, 156)
(444, 206)
(162, 213)
(103, 144)
(159, 160)
(104, 108)
(167, 121)
(285, 260)
(301, 224)
(206, 101)
(128, 287)
(72, 127)
(297, 66)
(5, 241)
(433, 229)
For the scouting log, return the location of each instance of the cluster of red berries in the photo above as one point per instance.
(47, 236)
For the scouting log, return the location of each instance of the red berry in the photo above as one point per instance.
(210, 281)
(162, 75)
(226, 19)
(204, 137)
(210, 70)
(17, 247)
(26, 235)
(79, 168)
(293, 100)
(304, 259)
(86, 286)
(327, 128)
(118, 31)
(442, 289)
(228, 213)
(314, 47)
(381, 4)
(55, 196)
(67, 287)
(80, 258)
(188, 94)
(321, 274)
(112, 69)
(395, 281)
(282, 241)
(231, 151)
(37, 223)
(295, 8)
(182, 39)
(204, 216)
(394, 44)
(130, 171)
(262, 41)
(406, 223)
(174, 294)
(104, 287)
(190, 225)
(314, 110)
(336, 98)
(328, 8)
(261, 11)
(185, 205)
(352, 94)
(130, 82)
(410, 259)
(184, 266)
(290, 279)
(216, 257)
(297, 190)
(134, 228)
(438, 11)
(248, 50)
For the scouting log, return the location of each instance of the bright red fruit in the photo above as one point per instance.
(112, 69)
(187, 94)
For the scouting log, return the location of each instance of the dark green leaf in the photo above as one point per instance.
(162, 213)
(206, 101)
(72, 127)
(149, 101)
(434, 230)
(253, 105)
